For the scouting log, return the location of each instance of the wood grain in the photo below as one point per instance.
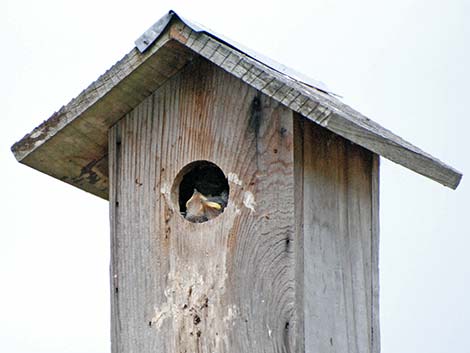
(227, 285)
(375, 250)
(340, 268)
(297, 274)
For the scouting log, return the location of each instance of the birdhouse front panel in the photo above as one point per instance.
(237, 225)
(211, 282)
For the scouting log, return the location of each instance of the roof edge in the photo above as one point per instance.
(153, 32)
(318, 106)
(86, 119)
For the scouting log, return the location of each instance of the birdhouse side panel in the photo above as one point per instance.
(337, 189)
(225, 285)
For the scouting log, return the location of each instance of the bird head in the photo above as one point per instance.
(200, 208)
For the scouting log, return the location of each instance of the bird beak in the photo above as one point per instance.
(214, 205)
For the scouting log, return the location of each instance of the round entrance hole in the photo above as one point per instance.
(201, 191)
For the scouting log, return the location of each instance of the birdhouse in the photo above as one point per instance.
(243, 197)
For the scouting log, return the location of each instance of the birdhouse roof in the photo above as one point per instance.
(72, 144)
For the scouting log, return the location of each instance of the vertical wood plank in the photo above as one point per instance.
(337, 239)
(300, 278)
(113, 165)
(227, 285)
(134, 290)
(375, 249)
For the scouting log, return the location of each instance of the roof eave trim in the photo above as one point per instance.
(151, 35)
(319, 107)
(174, 37)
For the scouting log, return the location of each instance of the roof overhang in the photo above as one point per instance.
(72, 144)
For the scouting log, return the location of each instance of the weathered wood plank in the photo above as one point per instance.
(375, 251)
(227, 285)
(135, 279)
(337, 243)
(383, 142)
(299, 212)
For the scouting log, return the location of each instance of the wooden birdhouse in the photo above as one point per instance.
(244, 198)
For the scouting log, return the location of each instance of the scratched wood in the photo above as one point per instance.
(227, 285)
(339, 267)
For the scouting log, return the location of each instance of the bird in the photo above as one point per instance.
(201, 208)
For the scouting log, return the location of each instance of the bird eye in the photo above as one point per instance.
(201, 190)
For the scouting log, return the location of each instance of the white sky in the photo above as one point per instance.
(405, 64)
